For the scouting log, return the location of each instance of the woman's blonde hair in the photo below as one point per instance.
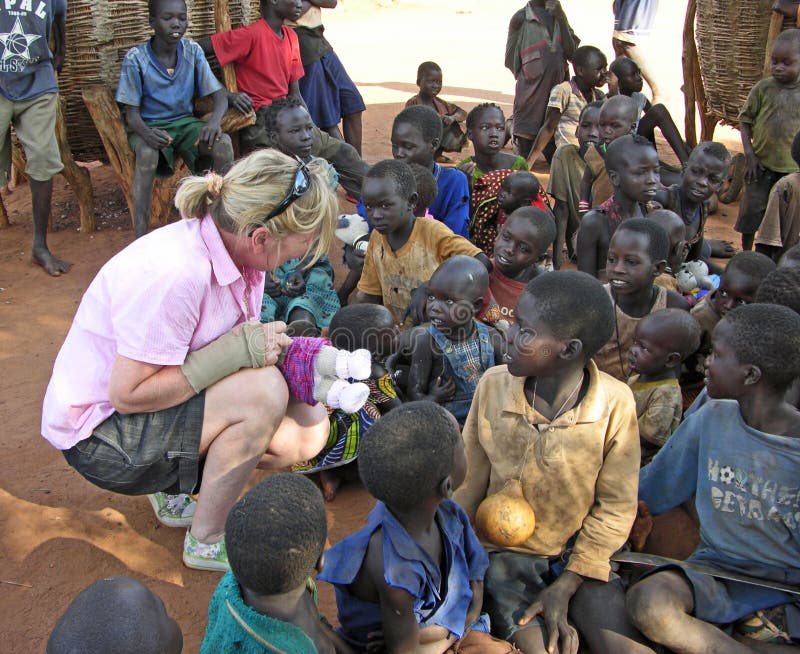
(240, 201)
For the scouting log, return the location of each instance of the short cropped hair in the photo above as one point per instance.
(791, 257)
(776, 351)
(618, 150)
(425, 119)
(357, 325)
(406, 454)
(399, 172)
(621, 65)
(796, 148)
(781, 286)
(753, 265)
(584, 53)
(686, 330)
(275, 534)
(791, 35)
(111, 615)
(656, 235)
(714, 150)
(427, 66)
(273, 111)
(477, 110)
(527, 182)
(574, 305)
(427, 188)
(597, 104)
(623, 101)
(154, 5)
(543, 224)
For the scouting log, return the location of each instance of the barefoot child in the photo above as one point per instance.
(300, 291)
(702, 178)
(519, 249)
(632, 164)
(120, 615)
(739, 458)
(768, 123)
(415, 571)
(661, 341)
(546, 417)
(429, 81)
(568, 99)
(566, 173)
(403, 251)
(275, 537)
(158, 82)
(780, 228)
(637, 255)
(368, 326)
(450, 354)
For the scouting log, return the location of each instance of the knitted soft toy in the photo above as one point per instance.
(317, 372)
(353, 230)
(693, 276)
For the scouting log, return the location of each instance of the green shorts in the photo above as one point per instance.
(184, 133)
(34, 122)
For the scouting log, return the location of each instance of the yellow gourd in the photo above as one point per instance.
(506, 518)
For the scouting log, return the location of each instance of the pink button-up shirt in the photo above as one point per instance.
(165, 295)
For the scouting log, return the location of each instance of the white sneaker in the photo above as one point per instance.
(173, 510)
(205, 556)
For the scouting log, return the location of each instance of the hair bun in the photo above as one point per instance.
(214, 185)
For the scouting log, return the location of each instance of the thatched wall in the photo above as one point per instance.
(99, 33)
(731, 39)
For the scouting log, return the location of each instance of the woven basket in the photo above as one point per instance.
(731, 38)
(99, 33)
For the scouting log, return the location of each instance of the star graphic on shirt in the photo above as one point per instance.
(17, 43)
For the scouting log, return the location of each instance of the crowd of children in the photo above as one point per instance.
(494, 377)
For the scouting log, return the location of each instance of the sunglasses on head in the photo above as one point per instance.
(301, 184)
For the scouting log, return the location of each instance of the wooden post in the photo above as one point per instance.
(775, 27)
(689, 54)
(222, 23)
(77, 177)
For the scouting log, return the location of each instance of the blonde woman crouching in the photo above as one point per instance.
(166, 382)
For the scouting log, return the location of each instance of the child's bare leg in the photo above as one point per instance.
(302, 435)
(351, 124)
(222, 154)
(532, 639)
(766, 648)
(561, 212)
(747, 241)
(659, 606)
(348, 286)
(598, 611)
(41, 195)
(330, 480)
(658, 116)
(523, 146)
(335, 132)
(143, 177)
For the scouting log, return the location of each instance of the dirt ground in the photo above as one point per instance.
(58, 533)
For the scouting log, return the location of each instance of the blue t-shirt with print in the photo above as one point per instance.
(162, 97)
(26, 66)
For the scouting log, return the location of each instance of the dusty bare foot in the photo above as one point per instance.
(51, 264)
(330, 481)
(721, 249)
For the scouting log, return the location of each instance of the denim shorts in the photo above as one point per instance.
(141, 453)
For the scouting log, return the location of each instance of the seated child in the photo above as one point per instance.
(737, 286)
(368, 326)
(566, 173)
(568, 99)
(415, 571)
(702, 177)
(486, 128)
(618, 117)
(790, 258)
(637, 255)
(547, 417)
(739, 458)
(676, 231)
(403, 251)
(768, 123)
(429, 81)
(119, 615)
(500, 193)
(632, 164)
(157, 83)
(300, 291)
(416, 136)
(780, 228)
(519, 249)
(629, 82)
(661, 341)
(451, 352)
(275, 537)
(426, 190)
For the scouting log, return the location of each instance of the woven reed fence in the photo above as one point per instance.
(99, 33)
(731, 39)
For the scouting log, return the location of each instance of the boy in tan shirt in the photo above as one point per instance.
(568, 433)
